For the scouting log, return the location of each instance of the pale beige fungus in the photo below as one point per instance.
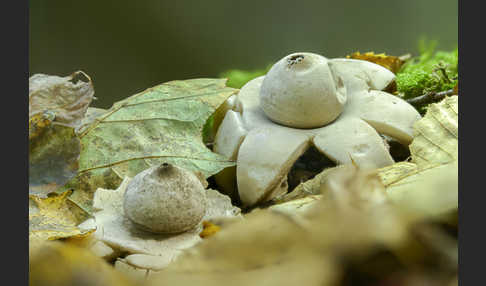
(337, 105)
(301, 91)
(114, 229)
(165, 199)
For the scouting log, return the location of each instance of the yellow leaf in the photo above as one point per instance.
(54, 217)
(390, 62)
(208, 229)
(38, 123)
(60, 264)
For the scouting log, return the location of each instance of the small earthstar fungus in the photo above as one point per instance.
(166, 199)
(336, 105)
(155, 215)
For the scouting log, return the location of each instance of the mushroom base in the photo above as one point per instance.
(309, 164)
(398, 151)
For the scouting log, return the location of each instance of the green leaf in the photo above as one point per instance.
(54, 217)
(160, 124)
(237, 78)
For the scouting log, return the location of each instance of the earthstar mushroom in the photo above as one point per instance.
(301, 91)
(117, 231)
(337, 105)
(165, 199)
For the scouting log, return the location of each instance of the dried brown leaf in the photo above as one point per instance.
(66, 97)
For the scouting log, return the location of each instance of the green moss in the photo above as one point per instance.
(430, 72)
(237, 78)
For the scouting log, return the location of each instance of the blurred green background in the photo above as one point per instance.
(128, 46)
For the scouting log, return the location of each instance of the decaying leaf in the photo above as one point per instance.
(57, 106)
(92, 113)
(84, 182)
(61, 264)
(392, 63)
(160, 124)
(398, 171)
(435, 138)
(117, 231)
(39, 122)
(53, 155)
(429, 185)
(66, 97)
(54, 218)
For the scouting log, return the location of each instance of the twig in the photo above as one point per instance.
(430, 97)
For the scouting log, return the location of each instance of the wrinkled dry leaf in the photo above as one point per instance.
(396, 172)
(392, 63)
(39, 122)
(117, 231)
(54, 218)
(84, 182)
(67, 97)
(436, 134)
(160, 124)
(429, 185)
(57, 106)
(60, 264)
(92, 113)
(53, 155)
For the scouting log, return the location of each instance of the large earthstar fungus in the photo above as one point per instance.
(336, 105)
